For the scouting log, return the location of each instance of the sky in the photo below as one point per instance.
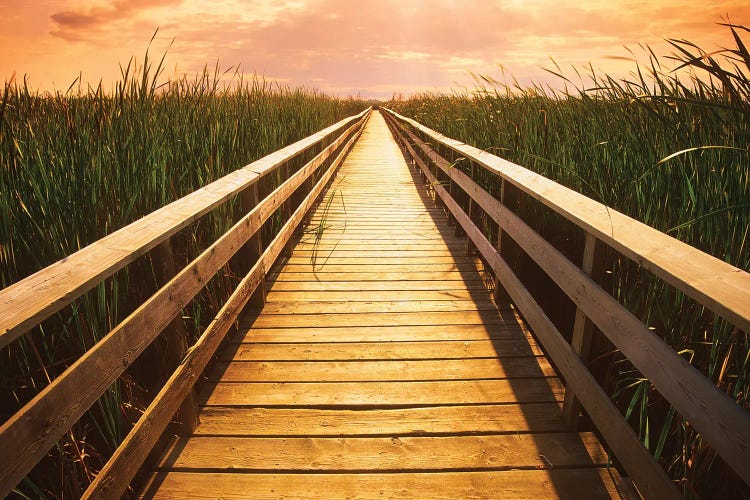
(360, 48)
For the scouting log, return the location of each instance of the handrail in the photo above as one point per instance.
(723, 423)
(719, 286)
(34, 429)
(28, 302)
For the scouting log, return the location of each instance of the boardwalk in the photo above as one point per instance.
(381, 367)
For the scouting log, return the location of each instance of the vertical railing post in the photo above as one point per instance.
(501, 295)
(253, 249)
(452, 193)
(175, 338)
(582, 331)
(471, 209)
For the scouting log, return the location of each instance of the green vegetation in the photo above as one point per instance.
(79, 165)
(669, 147)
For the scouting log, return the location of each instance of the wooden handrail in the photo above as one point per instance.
(30, 301)
(719, 286)
(114, 478)
(720, 420)
(34, 429)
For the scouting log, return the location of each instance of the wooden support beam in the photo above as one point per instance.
(582, 331)
(176, 343)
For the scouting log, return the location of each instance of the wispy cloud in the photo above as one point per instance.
(367, 47)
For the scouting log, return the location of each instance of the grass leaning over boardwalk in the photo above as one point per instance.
(76, 166)
(668, 147)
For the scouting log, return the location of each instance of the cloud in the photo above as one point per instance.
(377, 46)
(82, 24)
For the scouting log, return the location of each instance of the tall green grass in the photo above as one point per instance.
(670, 146)
(78, 165)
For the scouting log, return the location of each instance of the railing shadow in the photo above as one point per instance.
(507, 315)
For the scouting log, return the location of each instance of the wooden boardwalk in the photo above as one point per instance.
(380, 367)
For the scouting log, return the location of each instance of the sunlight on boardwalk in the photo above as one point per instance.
(380, 367)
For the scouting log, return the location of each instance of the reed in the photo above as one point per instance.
(670, 146)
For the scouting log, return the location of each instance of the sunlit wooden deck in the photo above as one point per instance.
(380, 367)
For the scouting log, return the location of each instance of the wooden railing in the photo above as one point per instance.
(29, 434)
(715, 284)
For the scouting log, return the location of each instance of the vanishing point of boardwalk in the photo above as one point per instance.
(380, 367)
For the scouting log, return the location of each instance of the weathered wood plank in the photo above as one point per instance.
(371, 454)
(430, 420)
(379, 319)
(419, 333)
(368, 371)
(587, 483)
(366, 286)
(362, 306)
(353, 350)
(460, 392)
(377, 296)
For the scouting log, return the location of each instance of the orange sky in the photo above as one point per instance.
(348, 47)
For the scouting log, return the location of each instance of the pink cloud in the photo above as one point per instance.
(361, 47)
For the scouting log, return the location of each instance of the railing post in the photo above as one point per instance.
(582, 331)
(253, 249)
(471, 209)
(175, 343)
(501, 295)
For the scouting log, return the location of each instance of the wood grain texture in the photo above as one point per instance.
(423, 333)
(520, 484)
(368, 371)
(428, 420)
(371, 454)
(396, 350)
(380, 350)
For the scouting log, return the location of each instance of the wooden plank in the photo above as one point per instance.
(381, 245)
(373, 276)
(363, 306)
(378, 296)
(370, 371)
(430, 420)
(363, 286)
(459, 392)
(380, 333)
(371, 454)
(334, 351)
(35, 298)
(308, 254)
(379, 319)
(343, 269)
(586, 483)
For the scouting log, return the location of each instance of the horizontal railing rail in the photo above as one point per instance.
(28, 302)
(28, 435)
(717, 285)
